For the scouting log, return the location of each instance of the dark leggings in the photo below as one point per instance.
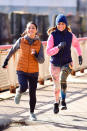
(29, 81)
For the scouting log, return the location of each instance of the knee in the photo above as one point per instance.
(63, 81)
(57, 91)
(22, 89)
(63, 86)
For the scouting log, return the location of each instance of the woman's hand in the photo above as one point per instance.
(33, 51)
(5, 63)
(80, 60)
(62, 45)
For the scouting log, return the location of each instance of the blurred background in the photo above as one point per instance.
(15, 14)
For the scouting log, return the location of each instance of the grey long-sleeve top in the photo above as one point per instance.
(39, 57)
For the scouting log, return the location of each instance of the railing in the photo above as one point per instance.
(8, 77)
(76, 66)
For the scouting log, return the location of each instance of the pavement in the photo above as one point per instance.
(16, 117)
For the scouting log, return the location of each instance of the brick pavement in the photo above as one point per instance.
(72, 119)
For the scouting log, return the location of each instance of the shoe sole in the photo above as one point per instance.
(64, 108)
(56, 111)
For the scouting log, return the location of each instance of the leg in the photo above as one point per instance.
(23, 85)
(32, 92)
(55, 76)
(65, 71)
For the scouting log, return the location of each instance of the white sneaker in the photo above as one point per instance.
(32, 117)
(17, 97)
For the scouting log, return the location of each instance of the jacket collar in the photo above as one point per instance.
(30, 41)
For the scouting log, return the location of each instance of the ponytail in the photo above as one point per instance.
(24, 33)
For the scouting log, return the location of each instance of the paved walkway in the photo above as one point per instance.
(73, 119)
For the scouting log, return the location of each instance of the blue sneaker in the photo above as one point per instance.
(32, 117)
(17, 97)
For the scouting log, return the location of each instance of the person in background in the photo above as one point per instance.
(59, 45)
(30, 54)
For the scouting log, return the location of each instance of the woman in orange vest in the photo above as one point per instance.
(30, 53)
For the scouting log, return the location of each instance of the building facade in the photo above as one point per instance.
(43, 7)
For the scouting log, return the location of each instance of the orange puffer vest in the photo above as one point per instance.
(26, 61)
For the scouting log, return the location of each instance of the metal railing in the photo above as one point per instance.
(8, 77)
